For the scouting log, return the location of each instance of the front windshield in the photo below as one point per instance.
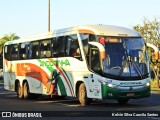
(125, 58)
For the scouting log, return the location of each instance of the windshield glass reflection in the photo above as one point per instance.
(125, 58)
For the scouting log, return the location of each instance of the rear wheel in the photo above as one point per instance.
(19, 91)
(83, 95)
(122, 101)
(26, 91)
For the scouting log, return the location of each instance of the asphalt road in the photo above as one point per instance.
(71, 108)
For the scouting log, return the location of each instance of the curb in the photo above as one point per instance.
(155, 92)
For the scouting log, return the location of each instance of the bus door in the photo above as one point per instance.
(94, 65)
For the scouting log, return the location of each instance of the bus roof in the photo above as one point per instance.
(110, 30)
(106, 30)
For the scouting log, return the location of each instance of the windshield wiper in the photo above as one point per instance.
(129, 62)
(137, 69)
(126, 59)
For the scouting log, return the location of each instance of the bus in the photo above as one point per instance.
(88, 62)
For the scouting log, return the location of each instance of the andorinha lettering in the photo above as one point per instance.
(54, 62)
(130, 83)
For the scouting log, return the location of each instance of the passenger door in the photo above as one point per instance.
(95, 66)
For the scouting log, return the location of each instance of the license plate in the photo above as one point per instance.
(130, 94)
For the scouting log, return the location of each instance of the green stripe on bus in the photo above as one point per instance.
(60, 82)
(67, 78)
(61, 86)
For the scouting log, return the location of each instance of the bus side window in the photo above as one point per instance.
(92, 38)
(29, 50)
(45, 49)
(34, 52)
(53, 47)
(14, 52)
(22, 51)
(7, 51)
(60, 47)
(72, 47)
(95, 60)
(85, 40)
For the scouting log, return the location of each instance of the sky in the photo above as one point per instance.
(30, 17)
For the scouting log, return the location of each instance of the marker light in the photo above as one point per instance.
(102, 40)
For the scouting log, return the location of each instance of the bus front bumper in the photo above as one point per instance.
(112, 93)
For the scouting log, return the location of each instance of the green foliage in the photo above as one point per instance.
(150, 31)
(5, 38)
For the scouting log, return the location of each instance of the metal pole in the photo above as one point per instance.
(48, 15)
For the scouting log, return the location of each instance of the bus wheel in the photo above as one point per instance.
(26, 92)
(19, 91)
(122, 101)
(83, 95)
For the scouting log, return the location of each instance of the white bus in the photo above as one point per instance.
(87, 62)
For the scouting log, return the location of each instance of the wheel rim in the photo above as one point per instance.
(82, 94)
(25, 90)
(19, 91)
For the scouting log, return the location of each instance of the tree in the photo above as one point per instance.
(5, 38)
(150, 31)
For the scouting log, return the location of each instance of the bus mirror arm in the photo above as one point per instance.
(156, 50)
(102, 55)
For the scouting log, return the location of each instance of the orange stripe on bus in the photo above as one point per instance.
(85, 31)
(33, 71)
(6, 61)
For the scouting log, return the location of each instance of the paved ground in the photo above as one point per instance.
(69, 107)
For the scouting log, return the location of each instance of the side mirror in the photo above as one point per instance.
(157, 55)
(156, 50)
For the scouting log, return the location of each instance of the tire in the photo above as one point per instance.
(19, 91)
(122, 101)
(26, 92)
(82, 95)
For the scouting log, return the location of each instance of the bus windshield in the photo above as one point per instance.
(126, 58)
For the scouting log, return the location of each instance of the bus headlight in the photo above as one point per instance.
(147, 84)
(107, 84)
(110, 85)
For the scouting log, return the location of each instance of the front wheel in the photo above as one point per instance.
(122, 101)
(83, 99)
